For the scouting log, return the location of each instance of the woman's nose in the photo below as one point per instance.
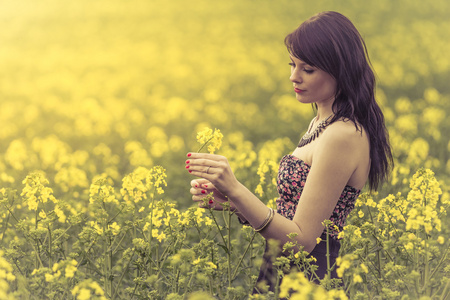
(295, 77)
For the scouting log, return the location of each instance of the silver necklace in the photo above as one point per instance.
(309, 136)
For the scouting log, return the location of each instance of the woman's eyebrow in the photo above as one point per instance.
(301, 63)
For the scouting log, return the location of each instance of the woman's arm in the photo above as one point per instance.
(336, 157)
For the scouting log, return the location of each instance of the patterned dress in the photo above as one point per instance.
(291, 179)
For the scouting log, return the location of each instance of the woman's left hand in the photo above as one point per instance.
(214, 168)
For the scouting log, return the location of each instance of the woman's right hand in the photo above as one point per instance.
(201, 188)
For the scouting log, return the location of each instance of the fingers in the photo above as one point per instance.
(209, 166)
(199, 182)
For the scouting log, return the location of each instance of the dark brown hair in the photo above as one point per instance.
(330, 42)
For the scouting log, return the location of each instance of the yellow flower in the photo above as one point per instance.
(440, 240)
(212, 265)
(49, 277)
(409, 246)
(157, 235)
(364, 268)
(60, 214)
(84, 294)
(357, 278)
(210, 138)
(318, 240)
(115, 228)
(70, 270)
(42, 214)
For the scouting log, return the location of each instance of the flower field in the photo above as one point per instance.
(101, 101)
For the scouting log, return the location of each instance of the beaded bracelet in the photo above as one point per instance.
(266, 222)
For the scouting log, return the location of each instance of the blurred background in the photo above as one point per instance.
(102, 87)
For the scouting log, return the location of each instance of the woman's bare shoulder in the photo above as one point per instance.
(345, 131)
(344, 140)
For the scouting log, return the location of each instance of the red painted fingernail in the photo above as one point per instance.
(203, 192)
(196, 185)
(189, 155)
(205, 186)
(187, 161)
(211, 202)
(190, 171)
(187, 167)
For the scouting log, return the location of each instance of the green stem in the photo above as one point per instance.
(151, 226)
(229, 247)
(55, 240)
(440, 262)
(243, 255)
(7, 219)
(328, 254)
(123, 274)
(112, 219)
(444, 292)
(206, 143)
(49, 247)
(119, 243)
(218, 227)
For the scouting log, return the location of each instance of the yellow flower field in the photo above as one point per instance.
(101, 101)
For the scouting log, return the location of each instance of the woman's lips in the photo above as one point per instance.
(298, 91)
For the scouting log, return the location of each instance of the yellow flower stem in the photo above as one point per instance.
(165, 258)
(115, 216)
(62, 234)
(416, 262)
(38, 258)
(328, 253)
(425, 286)
(49, 246)
(105, 264)
(218, 227)
(243, 255)
(151, 226)
(444, 292)
(206, 143)
(117, 245)
(229, 246)
(443, 258)
(123, 274)
(7, 219)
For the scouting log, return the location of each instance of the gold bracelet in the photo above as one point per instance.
(266, 222)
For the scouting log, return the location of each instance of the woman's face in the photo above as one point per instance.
(311, 85)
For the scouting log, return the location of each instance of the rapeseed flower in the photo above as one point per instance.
(211, 138)
(88, 289)
(133, 187)
(71, 268)
(35, 191)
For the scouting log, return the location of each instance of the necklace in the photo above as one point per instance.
(309, 136)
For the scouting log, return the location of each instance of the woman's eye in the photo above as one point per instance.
(308, 71)
(292, 64)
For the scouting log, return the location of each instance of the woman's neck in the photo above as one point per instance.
(324, 109)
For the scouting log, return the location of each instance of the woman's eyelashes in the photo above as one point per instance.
(308, 71)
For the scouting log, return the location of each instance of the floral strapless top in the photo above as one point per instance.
(290, 182)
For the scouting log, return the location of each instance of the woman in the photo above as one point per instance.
(345, 146)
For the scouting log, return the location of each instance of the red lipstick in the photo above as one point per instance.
(298, 91)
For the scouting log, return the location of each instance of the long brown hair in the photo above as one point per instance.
(330, 42)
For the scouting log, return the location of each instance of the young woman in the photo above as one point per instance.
(345, 145)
